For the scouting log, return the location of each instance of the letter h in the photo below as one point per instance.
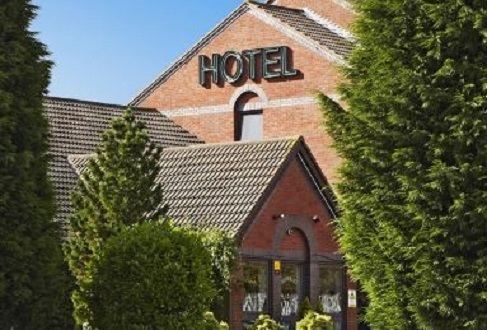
(214, 68)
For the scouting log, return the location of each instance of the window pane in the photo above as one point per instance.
(252, 126)
(290, 289)
(255, 286)
(330, 294)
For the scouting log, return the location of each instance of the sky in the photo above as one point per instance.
(109, 50)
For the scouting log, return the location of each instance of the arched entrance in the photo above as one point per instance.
(292, 281)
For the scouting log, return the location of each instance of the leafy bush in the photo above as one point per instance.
(117, 189)
(223, 258)
(264, 322)
(315, 321)
(304, 308)
(211, 323)
(152, 275)
(224, 254)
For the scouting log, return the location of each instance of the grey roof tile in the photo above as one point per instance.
(216, 185)
(298, 20)
(75, 127)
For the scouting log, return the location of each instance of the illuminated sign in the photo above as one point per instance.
(268, 63)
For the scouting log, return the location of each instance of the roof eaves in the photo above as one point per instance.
(344, 33)
(193, 51)
(295, 35)
(319, 179)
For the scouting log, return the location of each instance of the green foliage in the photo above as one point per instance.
(319, 308)
(223, 253)
(211, 323)
(414, 146)
(265, 322)
(304, 308)
(315, 321)
(32, 278)
(152, 275)
(117, 189)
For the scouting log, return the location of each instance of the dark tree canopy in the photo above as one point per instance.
(32, 279)
(414, 177)
(118, 189)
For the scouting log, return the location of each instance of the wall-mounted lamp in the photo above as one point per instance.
(316, 218)
(278, 216)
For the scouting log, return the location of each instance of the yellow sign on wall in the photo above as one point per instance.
(277, 266)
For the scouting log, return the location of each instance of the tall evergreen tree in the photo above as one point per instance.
(414, 177)
(31, 264)
(117, 189)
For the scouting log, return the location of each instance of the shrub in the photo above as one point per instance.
(117, 189)
(264, 322)
(211, 323)
(304, 308)
(315, 321)
(223, 258)
(152, 275)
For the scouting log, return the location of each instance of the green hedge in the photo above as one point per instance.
(152, 275)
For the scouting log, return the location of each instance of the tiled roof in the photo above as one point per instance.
(300, 21)
(218, 186)
(76, 127)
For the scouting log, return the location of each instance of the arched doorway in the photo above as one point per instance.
(292, 282)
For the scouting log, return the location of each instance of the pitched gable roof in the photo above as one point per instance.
(75, 127)
(306, 29)
(221, 186)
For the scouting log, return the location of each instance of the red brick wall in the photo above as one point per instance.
(294, 242)
(330, 9)
(293, 195)
(182, 90)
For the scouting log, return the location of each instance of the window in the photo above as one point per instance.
(331, 293)
(255, 288)
(251, 125)
(249, 121)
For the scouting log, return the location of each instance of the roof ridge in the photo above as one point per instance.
(294, 138)
(55, 99)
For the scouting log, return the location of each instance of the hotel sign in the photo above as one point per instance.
(268, 63)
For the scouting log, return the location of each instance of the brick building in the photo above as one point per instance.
(254, 77)
(224, 111)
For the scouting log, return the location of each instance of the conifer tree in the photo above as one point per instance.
(32, 276)
(414, 178)
(118, 189)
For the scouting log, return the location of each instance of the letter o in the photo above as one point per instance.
(231, 78)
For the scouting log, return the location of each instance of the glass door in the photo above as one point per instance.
(291, 282)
